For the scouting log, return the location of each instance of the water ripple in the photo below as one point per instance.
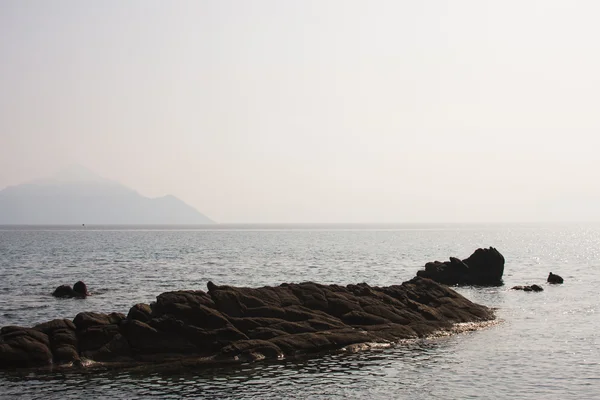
(547, 347)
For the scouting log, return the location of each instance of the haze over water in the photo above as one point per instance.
(313, 111)
(546, 346)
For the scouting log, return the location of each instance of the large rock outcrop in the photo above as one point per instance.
(484, 267)
(229, 324)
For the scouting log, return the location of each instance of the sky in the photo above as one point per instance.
(312, 111)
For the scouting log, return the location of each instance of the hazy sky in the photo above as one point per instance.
(312, 111)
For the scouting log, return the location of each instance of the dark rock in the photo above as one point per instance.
(64, 291)
(197, 315)
(319, 324)
(553, 278)
(304, 343)
(85, 320)
(147, 340)
(79, 290)
(247, 324)
(116, 318)
(62, 340)
(251, 350)
(65, 355)
(265, 333)
(97, 336)
(293, 328)
(251, 323)
(24, 347)
(532, 288)
(190, 298)
(484, 267)
(116, 349)
(9, 332)
(55, 324)
(266, 312)
(359, 318)
(140, 312)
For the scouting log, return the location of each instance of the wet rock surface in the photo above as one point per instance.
(484, 267)
(235, 324)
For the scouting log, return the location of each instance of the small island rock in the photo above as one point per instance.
(484, 267)
(553, 278)
(79, 290)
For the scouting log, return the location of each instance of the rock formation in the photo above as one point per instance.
(229, 324)
(78, 290)
(553, 278)
(531, 288)
(483, 268)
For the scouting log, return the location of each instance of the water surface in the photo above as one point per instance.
(546, 347)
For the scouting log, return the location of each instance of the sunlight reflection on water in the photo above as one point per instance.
(547, 346)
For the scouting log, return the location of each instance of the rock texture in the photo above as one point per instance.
(229, 324)
(484, 267)
(553, 278)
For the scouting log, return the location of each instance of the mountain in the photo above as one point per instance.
(78, 196)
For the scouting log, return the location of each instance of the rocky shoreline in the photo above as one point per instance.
(231, 324)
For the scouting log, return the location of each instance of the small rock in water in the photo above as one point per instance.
(531, 288)
(483, 268)
(79, 290)
(63, 291)
(553, 278)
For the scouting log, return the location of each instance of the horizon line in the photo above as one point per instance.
(225, 224)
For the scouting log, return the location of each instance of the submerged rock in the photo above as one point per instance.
(553, 278)
(78, 290)
(484, 267)
(531, 288)
(231, 324)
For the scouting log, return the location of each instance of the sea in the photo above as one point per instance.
(545, 346)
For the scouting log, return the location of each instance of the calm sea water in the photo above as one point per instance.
(547, 346)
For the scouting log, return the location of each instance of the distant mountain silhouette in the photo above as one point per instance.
(78, 196)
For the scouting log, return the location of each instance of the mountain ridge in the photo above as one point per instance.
(82, 197)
